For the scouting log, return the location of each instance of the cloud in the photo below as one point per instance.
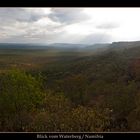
(96, 38)
(33, 35)
(69, 25)
(46, 25)
(107, 26)
(19, 14)
(68, 15)
(36, 25)
(19, 23)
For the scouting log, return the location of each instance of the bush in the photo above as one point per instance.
(19, 95)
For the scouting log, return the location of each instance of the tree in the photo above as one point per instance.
(87, 119)
(20, 95)
(134, 116)
(74, 88)
(55, 116)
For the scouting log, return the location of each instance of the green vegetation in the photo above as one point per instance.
(66, 91)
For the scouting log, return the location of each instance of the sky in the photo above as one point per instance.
(69, 25)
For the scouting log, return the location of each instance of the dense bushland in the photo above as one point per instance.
(96, 93)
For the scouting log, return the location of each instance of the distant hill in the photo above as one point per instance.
(97, 46)
(67, 45)
(40, 46)
(21, 46)
(125, 45)
(72, 47)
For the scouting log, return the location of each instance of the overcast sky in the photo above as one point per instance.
(69, 25)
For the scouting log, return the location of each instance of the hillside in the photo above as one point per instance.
(92, 88)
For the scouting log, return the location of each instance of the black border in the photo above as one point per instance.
(96, 136)
(69, 3)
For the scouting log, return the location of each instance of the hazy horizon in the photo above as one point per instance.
(122, 41)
